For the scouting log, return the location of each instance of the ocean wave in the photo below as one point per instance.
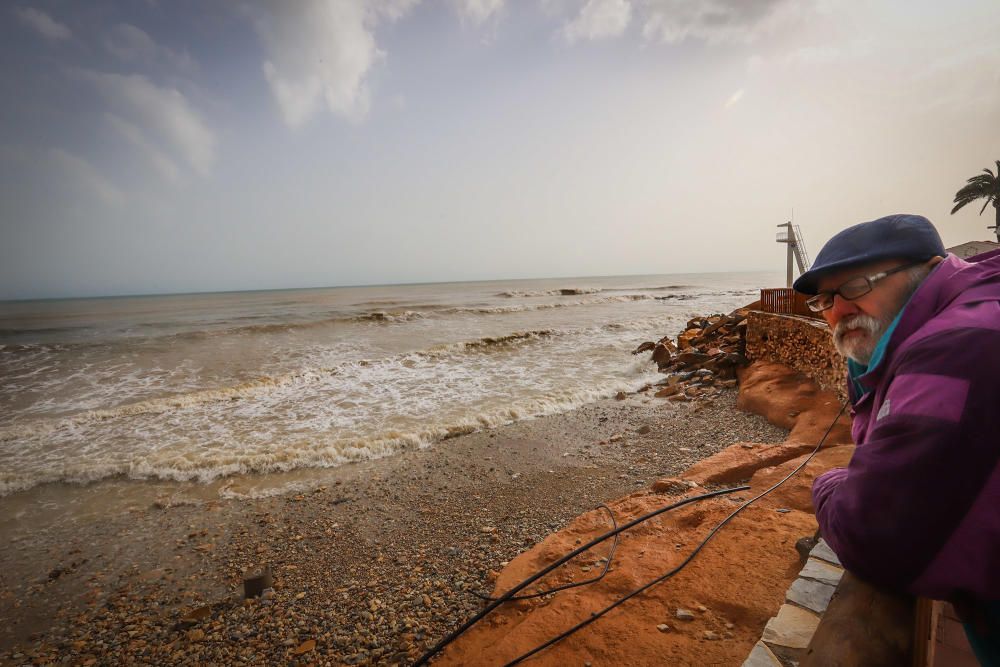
(561, 291)
(311, 452)
(571, 291)
(370, 317)
(254, 388)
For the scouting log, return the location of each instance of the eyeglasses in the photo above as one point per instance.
(853, 288)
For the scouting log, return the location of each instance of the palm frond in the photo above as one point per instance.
(981, 186)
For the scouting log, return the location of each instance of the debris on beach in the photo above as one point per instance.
(704, 359)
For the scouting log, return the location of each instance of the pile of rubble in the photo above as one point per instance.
(705, 358)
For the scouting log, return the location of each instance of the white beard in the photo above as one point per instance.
(859, 347)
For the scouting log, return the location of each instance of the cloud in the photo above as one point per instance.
(164, 112)
(135, 137)
(84, 175)
(712, 21)
(478, 11)
(734, 98)
(319, 53)
(133, 45)
(599, 19)
(44, 24)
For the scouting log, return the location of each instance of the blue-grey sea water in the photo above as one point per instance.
(228, 388)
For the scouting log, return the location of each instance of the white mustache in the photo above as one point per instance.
(865, 322)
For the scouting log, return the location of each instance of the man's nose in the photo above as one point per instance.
(841, 307)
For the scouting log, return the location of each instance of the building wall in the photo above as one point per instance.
(799, 342)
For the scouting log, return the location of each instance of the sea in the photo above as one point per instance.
(106, 403)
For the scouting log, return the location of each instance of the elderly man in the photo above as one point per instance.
(918, 508)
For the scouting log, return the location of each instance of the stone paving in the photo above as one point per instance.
(787, 635)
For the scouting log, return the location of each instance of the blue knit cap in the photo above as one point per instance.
(903, 235)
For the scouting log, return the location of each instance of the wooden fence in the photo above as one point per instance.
(785, 301)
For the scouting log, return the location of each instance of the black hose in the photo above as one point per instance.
(544, 571)
(596, 615)
(575, 584)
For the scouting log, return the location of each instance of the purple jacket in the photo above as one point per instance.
(918, 507)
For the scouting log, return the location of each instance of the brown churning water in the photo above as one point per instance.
(220, 388)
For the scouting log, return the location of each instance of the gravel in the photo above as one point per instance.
(372, 567)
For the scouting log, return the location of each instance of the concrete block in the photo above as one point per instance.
(788, 634)
(812, 595)
(761, 656)
(823, 551)
(818, 570)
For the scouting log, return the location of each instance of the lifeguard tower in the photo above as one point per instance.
(792, 236)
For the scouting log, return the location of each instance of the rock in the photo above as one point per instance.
(684, 614)
(690, 358)
(702, 608)
(670, 485)
(668, 391)
(255, 583)
(661, 355)
(709, 635)
(644, 429)
(804, 545)
(644, 347)
(192, 618)
(663, 627)
(305, 647)
(616, 437)
(621, 396)
(668, 343)
(196, 635)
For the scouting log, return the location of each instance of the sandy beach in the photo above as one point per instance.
(374, 564)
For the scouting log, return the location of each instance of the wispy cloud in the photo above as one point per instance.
(478, 11)
(43, 24)
(136, 138)
(83, 175)
(163, 112)
(713, 21)
(599, 19)
(134, 46)
(734, 98)
(320, 53)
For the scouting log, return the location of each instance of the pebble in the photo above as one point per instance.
(411, 539)
(709, 635)
(663, 627)
(685, 615)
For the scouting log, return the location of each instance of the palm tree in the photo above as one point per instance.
(984, 186)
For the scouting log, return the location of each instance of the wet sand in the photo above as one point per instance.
(372, 565)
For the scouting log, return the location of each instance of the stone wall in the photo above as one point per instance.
(802, 343)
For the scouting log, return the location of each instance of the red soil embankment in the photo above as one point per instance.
(732, 588)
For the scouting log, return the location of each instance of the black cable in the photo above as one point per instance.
(544, 571)
(596, 615)
(585, 582)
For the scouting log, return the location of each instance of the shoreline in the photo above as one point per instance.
(374, 564)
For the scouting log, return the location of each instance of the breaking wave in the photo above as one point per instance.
(562, 291)
(256, 387)
(311, 452)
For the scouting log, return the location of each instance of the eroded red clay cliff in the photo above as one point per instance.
(735, 584)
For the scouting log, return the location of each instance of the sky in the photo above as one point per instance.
(211, 145)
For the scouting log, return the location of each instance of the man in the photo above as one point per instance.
(918, 507)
